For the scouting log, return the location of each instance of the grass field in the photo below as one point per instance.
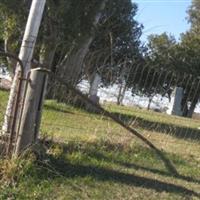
(91, 157)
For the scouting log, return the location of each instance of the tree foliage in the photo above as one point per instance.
(117, 41)
(181, 57)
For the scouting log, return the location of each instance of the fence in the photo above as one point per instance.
(71, 114)
(151, 89)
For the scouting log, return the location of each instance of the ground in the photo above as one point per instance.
(88, 156)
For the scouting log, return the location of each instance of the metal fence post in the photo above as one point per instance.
(32, 109)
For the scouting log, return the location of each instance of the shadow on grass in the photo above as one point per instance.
(57, 109)
(99, 173)
(162, 127)
(134, 132)
(103, 174)
(147, 169)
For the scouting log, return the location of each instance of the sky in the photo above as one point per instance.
(160, 16)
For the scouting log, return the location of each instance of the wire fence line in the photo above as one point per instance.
(70, 104)
(161, 129)
(178, 130)
(149, 119)
(71, 116)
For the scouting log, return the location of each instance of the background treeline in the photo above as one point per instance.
(85, 39)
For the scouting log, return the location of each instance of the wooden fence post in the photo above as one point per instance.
(32, 110)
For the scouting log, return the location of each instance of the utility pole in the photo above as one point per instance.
(25, 55)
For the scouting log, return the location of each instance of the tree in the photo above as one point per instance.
(194, 16)
(150, 75)
(106, 27)
(182, 59)
(117, 42)
(189, 59)
(65, 28)
(12, 23)
(119, 34)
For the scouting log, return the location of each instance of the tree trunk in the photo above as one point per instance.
(47, 53)
(46, 58)
(71, 71)
(121, 94)
(94, 84)
(73, 66)
(191, 110)
(149, 104)
(184, 105)
(192, 107)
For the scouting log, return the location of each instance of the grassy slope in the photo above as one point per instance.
(96, 159)
(155, 117)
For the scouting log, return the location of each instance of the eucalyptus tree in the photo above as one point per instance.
(70, 29)
(194, 16)
(189, 62)
(150, 74)
(182, 60)
(66, 25)
(116, 44)
(189, 59)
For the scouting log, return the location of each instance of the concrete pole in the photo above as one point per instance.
(32, 110)
(26, 54)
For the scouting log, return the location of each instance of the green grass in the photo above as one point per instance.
(91, 157)
(3, 100)
(154, 116)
